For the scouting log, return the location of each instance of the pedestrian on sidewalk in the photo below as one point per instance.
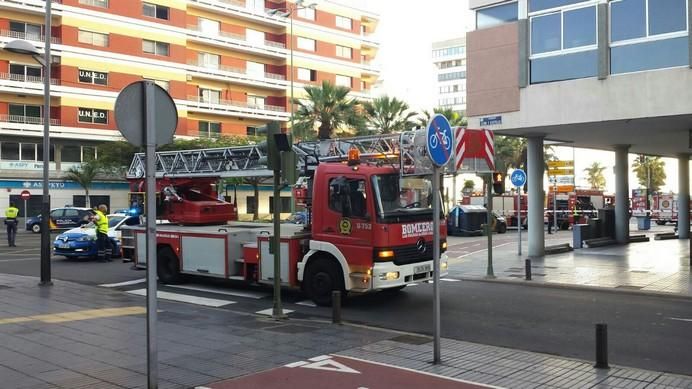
(103, 243)
(11, 222)
(550, 222)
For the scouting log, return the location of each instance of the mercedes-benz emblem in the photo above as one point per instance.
(420, 246)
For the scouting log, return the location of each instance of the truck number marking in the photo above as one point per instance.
(364, 226)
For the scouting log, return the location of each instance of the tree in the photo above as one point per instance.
(114, 157)
(594, 175)
(469, 185)
(327, 108)
(455, 118)
(650, 172)
(512, 153)
(83, 175)
(388, 114)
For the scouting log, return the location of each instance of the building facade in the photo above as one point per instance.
(611, 75)
(225, 63)
(449, 58)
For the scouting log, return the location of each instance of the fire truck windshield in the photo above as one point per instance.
(399, 196)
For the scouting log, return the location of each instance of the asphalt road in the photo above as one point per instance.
(649, 332)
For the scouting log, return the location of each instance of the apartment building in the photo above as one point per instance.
(605, 74)
(226, 63)
(449, 58)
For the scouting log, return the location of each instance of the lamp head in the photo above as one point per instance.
(312, 6)
(19, 46)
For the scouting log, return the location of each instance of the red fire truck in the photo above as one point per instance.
(664, 206)
(369, 220)
(577, 206)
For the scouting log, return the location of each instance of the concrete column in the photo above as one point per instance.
(684, 196)
(535, 193)
(603, 47)
(622, 222)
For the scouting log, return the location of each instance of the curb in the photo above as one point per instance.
(589, 288)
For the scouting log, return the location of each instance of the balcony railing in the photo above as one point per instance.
(231, 35)
(241, 104)
(238, 3)
(23, 78)
(230, 69)
(27, 37)
(26, 119)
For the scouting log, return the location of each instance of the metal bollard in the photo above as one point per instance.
(336, 307)
(527, 266)
(601, 346)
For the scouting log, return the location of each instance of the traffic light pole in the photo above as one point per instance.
(488, 227)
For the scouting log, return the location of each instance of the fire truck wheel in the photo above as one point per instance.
(168, 266)
(321, 278)
(661, 222)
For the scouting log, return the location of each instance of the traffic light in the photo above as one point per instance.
(289, 163)
(498, 183)
(273, 153)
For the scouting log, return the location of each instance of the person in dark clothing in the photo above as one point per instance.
(550, 222)
(11, 214)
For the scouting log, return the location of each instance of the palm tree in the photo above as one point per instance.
(83, 175)
(594, 175)
(388, 114)
(455, 118)
(328, 108)
(650, 172)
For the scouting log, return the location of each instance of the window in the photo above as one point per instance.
(354, 202)
(70, 153)
(156, 48)
(343, 81)
(257, 5)
(255, 69)
(28, 152)
(496, 15)
(208, 60)
(306, 13)
(344, 22)
(251, 131)
(22, 113)
(88, 153)
(306, 43)
(209, 96)
(307, 74)
(285, 204)
(93, 77)
(92, 115)
(451, 76)
(93, 38)
(539, 5)
(564, 29)
(255, 101)
(95, 3)
(155, 11)
(162, 83)
(209, 129)
(451, 64)
(452, 88)
(208, 26)
(449, 51)
(25, 73)
(26, 30)
(39, 153)
(251, 204)
(9, 151)
(254, 36)
(344, 52)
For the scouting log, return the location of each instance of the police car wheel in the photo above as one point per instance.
(36, 228)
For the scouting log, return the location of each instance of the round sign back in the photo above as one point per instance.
(130, 109)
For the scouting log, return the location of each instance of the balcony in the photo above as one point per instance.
(4, 118)
(240, 108)
(223, 73)
(238, 9)
(27, 37)
(29, 79)
(227, 40)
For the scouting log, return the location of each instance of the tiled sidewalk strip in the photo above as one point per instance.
(512, 368)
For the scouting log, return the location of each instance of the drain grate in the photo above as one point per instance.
(412, 339)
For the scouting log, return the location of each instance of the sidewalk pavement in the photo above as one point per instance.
(76, 336)
(657, 266)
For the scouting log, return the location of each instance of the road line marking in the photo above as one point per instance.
(296, 364)
(270, 311)
(124, 283)
(252, 295)
(485, 249)
(306, 303)
(184, 298)
(680, 319)
(77, 315)
(449, 279)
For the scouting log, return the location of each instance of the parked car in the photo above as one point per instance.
(500, 223)
(297, 217)
(61, 218)
(81, 241)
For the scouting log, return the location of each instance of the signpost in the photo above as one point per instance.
(439, 145)
(518, 179)
(25, 195)
(557, 170)
(146, 115)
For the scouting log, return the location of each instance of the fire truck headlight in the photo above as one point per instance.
(444, 245)
(385, 254)
(443, 266)
(389, 276)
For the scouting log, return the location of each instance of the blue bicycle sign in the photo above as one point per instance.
(518, 177)
(439, 140)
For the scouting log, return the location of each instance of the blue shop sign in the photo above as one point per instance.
(491, 120)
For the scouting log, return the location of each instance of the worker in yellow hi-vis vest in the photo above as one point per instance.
(103, 244)
(11, 222)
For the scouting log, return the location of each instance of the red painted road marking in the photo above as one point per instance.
(337, 372)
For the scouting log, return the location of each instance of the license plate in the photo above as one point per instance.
(64, 246)
(421, 269)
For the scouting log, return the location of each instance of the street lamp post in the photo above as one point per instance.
(24, 47)
(287, 12)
